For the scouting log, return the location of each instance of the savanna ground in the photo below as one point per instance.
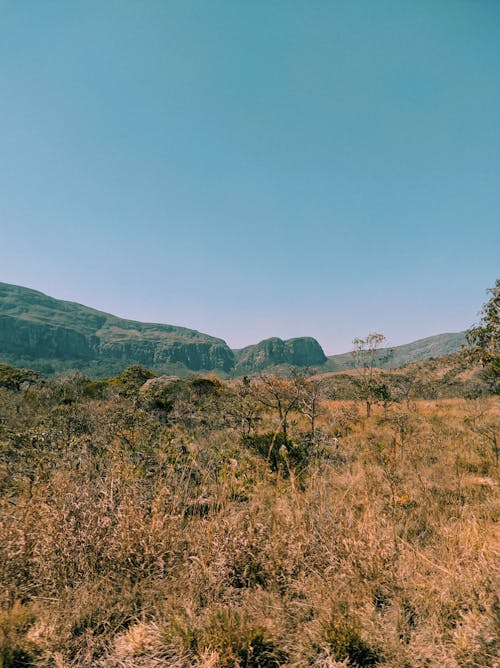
(178, 525)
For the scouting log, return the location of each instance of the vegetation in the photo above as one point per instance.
(253, 523)
(369, 386)
(484, 340)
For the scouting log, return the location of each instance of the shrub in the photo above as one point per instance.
(239, 643)
(345, 642)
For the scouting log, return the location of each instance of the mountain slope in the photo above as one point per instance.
(52, 335)
(392, 358)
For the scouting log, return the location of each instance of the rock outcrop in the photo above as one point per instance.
(302, 351)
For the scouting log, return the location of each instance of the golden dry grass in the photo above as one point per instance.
(125, 543)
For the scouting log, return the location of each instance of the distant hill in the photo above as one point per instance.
(392, 358)
(445, 377)
(51, 336)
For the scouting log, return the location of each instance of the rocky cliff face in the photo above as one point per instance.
(35, 327)
(154, 354)
(37, 330)
(303, 351)
(32, 339)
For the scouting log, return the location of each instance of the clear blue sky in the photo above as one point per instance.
(254, 168)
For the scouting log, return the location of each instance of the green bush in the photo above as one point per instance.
(130, 381)
(268, 445)
(281, 453)
(345, 642)
(239, 643)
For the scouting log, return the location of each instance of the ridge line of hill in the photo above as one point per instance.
(52, 335)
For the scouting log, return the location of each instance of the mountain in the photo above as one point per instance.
(393, 358)
(51, 335)
(303, 351)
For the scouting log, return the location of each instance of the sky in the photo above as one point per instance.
(254, 168)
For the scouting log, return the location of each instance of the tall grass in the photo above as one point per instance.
(126, 543)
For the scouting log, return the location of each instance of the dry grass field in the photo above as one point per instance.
(137, 535)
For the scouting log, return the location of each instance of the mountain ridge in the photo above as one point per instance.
(62, 334)
(52, 335)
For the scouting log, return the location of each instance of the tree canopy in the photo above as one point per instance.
(483, 339)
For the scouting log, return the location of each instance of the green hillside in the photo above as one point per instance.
(53, 335)
(392, 358)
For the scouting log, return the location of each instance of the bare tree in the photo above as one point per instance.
(364, 356)
(312, 391)
(243, 406)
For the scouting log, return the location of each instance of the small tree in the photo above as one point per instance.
(405, 386)
(312, 392)
(364, 356)
(483, 339)
(242, 405)
(279, 394)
